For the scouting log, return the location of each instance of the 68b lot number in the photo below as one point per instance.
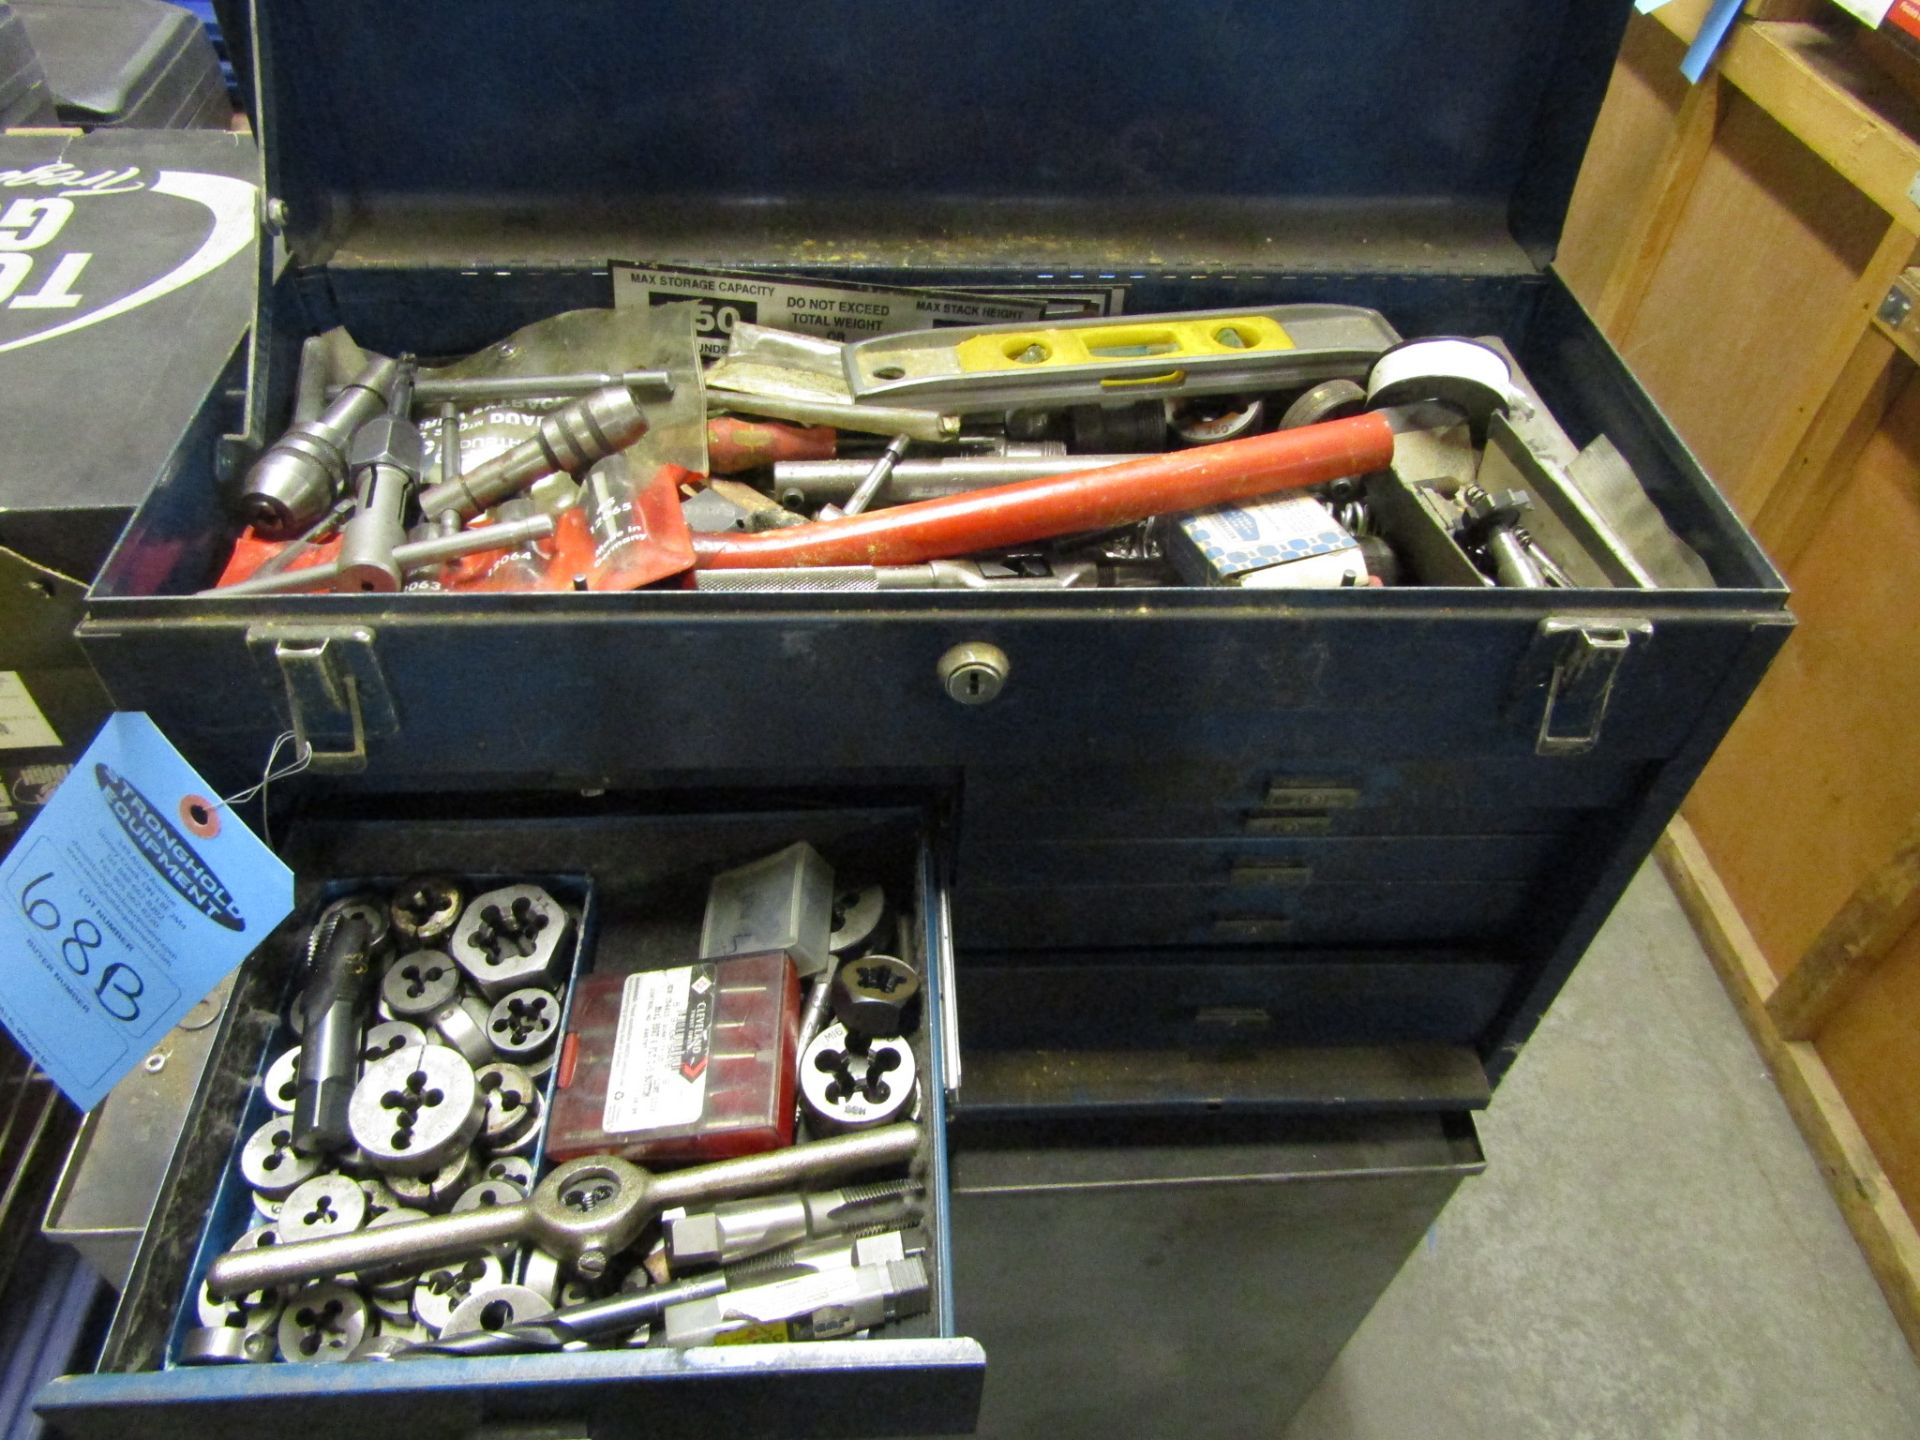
(115, 984)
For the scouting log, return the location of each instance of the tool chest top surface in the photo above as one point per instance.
(1409, 134)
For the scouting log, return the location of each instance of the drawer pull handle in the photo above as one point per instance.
(1310, 795)
(1307, 822)
(1238, 1019)
(1258, 872)
(1252, 927)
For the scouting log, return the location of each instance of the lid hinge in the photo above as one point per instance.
(1566, 678)
(336, 695)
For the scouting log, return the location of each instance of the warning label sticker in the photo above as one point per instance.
(658, 1076)
(842, 310)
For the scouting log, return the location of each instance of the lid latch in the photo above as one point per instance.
(1567, 676)
(336, 696)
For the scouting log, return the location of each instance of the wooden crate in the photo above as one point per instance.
(1740, 241)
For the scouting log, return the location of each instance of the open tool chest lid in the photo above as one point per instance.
(1374, 135)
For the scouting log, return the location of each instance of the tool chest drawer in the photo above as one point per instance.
(1151, 824)
(1439, 912)
(633, 886)
(1343, 777)
(1239, 1230)
(1258, 862)
(1211, 999)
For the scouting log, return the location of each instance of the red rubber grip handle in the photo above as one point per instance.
(1028, 510)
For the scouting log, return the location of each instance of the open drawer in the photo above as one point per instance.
(641, 891)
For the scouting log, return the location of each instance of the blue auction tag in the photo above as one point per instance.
(124, 903)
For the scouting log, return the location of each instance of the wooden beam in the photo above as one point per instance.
(1682, 17)
(1857, 938)
(1881, 1226)
(1814, 479)
(1661, 205)
(1823, 359)
(1829, 96)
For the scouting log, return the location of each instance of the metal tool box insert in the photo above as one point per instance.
(648, 876)
(228, 1209)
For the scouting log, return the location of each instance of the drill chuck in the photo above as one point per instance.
(569, 439)
(300, 475)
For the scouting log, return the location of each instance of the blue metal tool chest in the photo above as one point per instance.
(1275, 867)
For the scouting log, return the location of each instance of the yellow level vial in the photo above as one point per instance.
(1169, 340)
(1209, 352)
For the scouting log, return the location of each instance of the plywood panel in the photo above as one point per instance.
(1872, 1049)
(1878, 1217)
(1635, 127)
(1767, 252)
(1820, 776)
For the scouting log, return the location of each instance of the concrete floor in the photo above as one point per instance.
(1651, 1251)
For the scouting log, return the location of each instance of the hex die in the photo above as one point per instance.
(511, 938)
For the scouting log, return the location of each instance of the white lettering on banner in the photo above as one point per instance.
(72, 180)
(29, 224)
(56, 292)
(231, 203)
